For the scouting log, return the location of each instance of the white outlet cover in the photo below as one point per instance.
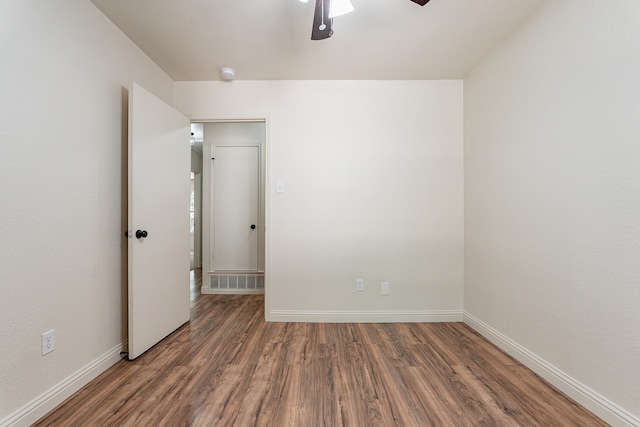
(359, 285)
(48, 342)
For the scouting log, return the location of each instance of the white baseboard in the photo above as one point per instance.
(330, 316)
(602, 407)
(41, 405)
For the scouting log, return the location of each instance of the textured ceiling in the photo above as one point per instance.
(270, 39)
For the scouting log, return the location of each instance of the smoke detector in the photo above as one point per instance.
(227, 73)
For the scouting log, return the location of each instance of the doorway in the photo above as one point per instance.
(195, 208)
(233, 207)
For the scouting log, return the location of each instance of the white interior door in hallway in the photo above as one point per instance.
(236, 210)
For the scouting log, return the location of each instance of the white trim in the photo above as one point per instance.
(599, 405)
(233, 118)
(336, 316)
(268, 195)
(47, 401)
(207, 187)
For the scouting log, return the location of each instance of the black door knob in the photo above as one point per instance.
(253, 226)
(141, 234)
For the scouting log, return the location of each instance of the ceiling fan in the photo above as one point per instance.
(323, 18)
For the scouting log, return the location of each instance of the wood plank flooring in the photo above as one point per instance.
(227, 367)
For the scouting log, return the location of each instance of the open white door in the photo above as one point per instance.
(159, 179)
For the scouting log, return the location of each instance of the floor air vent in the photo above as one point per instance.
(237, 282)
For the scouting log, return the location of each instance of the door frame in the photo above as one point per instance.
(198, 221)
(266, 202)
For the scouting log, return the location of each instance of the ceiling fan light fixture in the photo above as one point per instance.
(340, 7)
(227, 73)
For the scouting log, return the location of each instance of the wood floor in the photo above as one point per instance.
(230, 368)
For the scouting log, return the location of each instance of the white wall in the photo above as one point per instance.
(62, 79)
(552, 199)
(373, 189)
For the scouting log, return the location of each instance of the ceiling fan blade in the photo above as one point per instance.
(421, 2)
(322, 24)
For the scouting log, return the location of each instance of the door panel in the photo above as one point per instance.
(236, 208)
(159, 180)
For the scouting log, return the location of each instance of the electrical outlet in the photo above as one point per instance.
(359, 285)
(48, 342)
(384, 288)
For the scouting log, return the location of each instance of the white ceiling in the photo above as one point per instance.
(270, 39)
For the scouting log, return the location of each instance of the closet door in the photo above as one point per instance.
(236, 213)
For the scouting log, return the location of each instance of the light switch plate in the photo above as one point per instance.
(384, 288)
